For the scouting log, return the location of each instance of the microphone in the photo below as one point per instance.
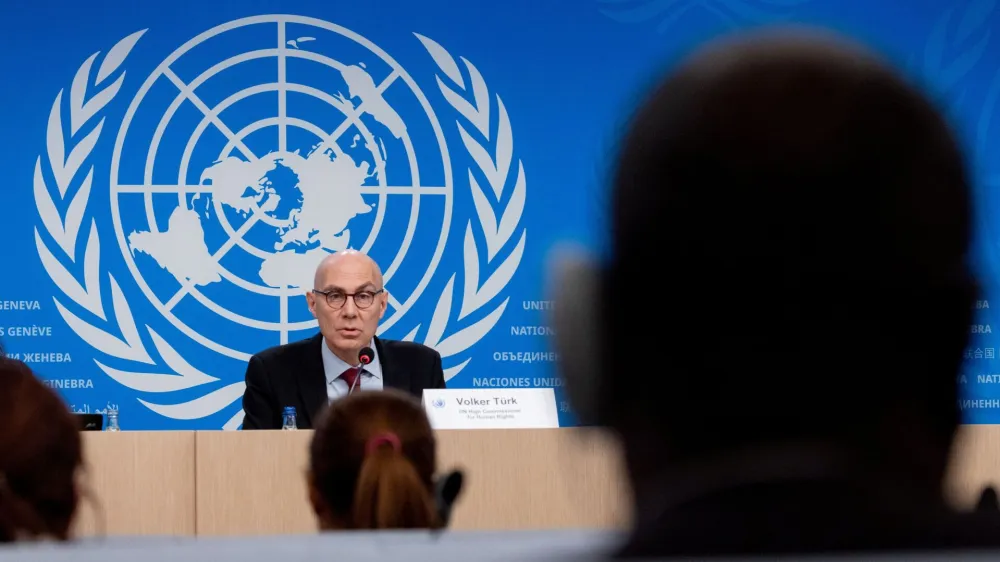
(365, 356)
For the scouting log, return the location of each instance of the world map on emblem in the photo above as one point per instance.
(309, 201)
(318, 159)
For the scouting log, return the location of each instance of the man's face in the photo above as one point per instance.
(348, 328)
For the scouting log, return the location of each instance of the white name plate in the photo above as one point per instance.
(491, 408)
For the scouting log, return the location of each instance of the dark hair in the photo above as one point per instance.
(40, 453)
(372, 462)
(811, 213)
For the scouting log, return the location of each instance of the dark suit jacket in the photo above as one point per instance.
(293, 375)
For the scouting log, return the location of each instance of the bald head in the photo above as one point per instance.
(347, 259)
(348, 300)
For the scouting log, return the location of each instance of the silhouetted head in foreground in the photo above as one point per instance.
(790, 222)
(40, 457)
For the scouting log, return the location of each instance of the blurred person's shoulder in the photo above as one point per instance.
(978, 528)
(856, 534)
(787, 517)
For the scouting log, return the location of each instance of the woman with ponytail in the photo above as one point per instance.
(372, 464)
(40, 455)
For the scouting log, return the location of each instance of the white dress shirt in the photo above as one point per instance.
(333, 366)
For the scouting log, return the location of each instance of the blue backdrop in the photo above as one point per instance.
(175, 169)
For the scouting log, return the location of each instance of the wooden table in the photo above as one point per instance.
(216, 483)
(253, 483)
(140, 483)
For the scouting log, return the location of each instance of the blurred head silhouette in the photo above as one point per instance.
(40, 456)
(789, 228)
(372, 466)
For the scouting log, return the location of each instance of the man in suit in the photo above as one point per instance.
(799, 392)
(348, 300)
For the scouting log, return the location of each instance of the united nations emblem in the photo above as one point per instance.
(235, 170)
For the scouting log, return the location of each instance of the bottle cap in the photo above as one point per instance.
(289, 410)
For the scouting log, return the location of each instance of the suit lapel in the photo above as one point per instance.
(312, 380)
(392, 375)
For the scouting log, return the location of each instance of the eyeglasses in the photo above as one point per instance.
(337, 299)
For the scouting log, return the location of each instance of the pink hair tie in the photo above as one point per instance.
(380, 439)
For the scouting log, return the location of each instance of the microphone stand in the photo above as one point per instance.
(357, 377)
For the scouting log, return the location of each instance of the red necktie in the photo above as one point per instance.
(349, 377)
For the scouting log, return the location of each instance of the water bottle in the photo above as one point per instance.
(112, 421)
(288, 418)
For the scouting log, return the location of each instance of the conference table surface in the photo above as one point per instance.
(236, 483)
(229, 483)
